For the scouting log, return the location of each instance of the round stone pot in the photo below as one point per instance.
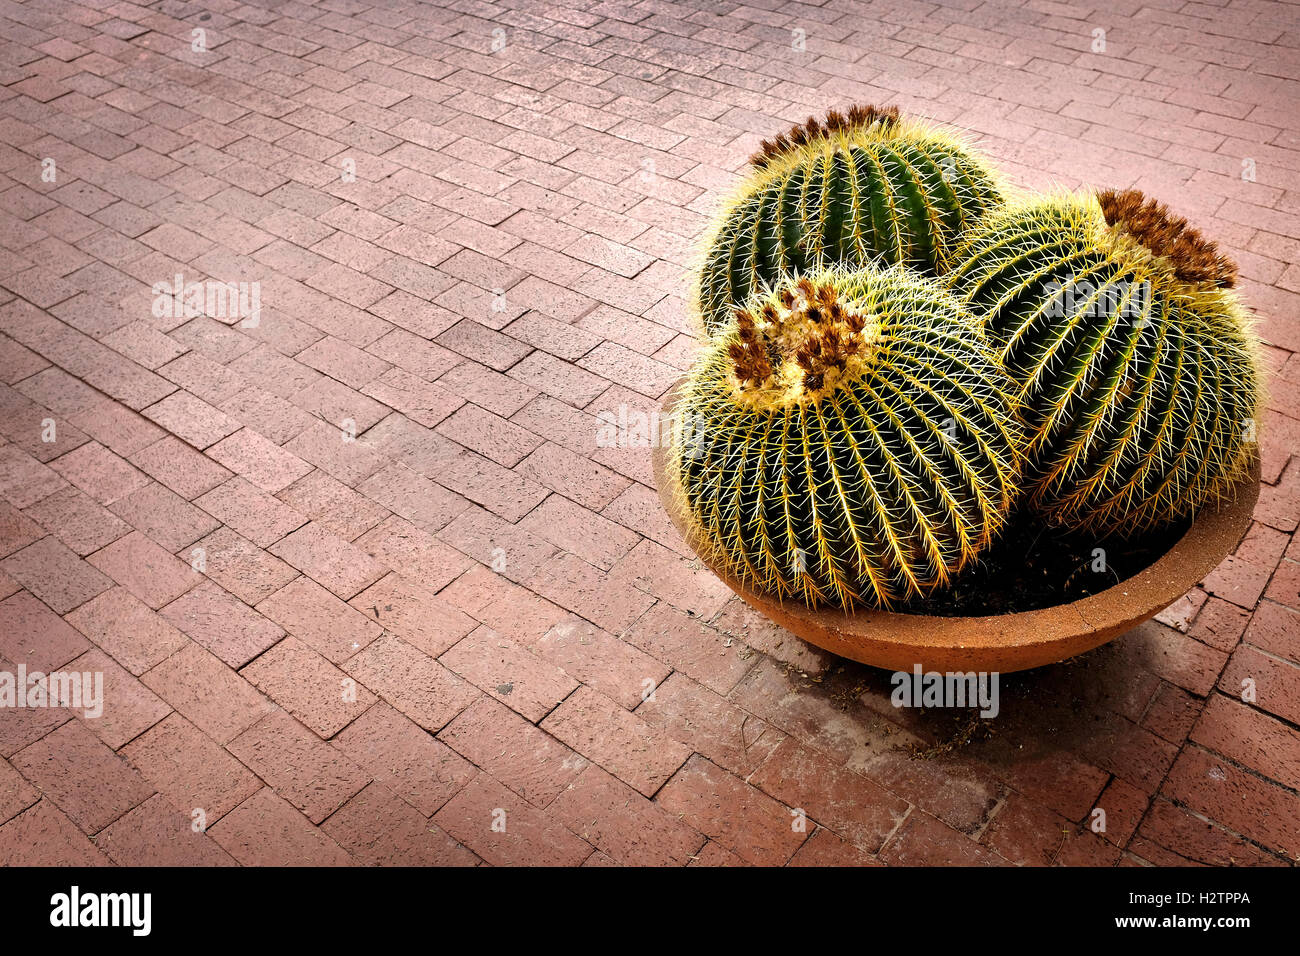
(1002, 642)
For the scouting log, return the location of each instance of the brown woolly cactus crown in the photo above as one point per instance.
(858, 116)
(1195, 259)
(800, 342)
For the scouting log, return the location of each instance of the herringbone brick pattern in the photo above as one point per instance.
(361, 577)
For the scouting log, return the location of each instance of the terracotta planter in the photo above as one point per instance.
(1003, 642)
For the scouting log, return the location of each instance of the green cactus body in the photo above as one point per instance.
(1135, 362)
(866, 188)
(846, 439)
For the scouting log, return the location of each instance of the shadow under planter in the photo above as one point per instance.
(1003, 643)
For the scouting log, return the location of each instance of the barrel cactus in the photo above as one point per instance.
(1135, 362)
(869, 186)
(846, 438)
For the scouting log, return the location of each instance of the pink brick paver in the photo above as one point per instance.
(364, 585)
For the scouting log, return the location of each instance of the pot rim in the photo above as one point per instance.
(1006, 642)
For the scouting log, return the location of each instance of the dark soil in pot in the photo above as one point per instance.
(1032, 566)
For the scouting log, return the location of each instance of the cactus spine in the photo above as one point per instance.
(866, 187)
(1136, 366)
(847, 438)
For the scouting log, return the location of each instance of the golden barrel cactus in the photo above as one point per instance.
(847, 438)
(866, 187)
(1136, 367)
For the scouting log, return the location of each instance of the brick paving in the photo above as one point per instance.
(361, 578)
